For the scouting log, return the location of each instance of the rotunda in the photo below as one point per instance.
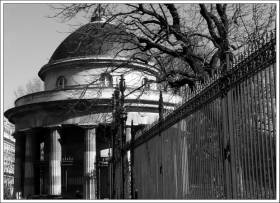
(63, 134)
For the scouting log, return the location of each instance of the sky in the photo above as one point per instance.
(29, 40)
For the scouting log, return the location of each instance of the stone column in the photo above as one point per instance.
(19, 158)
(29, 162)
(128, 139)
(54, 163)
(46, 158)
(89, 187)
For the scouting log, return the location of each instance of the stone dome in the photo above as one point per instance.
(97, 39)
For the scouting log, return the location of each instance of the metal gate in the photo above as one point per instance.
(71, 177)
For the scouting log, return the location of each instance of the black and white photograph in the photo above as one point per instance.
(139, 100)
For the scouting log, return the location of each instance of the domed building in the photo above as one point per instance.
(64, 133)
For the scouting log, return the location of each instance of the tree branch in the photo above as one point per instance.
(204, 13)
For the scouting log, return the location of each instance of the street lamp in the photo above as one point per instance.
(116, 107)
(122, 87)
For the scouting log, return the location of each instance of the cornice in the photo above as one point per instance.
(87, 60)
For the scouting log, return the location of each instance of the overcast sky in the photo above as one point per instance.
(30, 38)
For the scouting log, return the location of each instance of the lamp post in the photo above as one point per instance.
(123, 118)
(116, 107)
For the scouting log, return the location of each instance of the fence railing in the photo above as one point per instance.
(261, 56)
(220, 143)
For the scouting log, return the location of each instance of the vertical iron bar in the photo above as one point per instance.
(212, 145)
(197, 156)
(222, 157)
(163, 163)
(250, 138)
(253, 141)
(205, 150)
(245, 94)
(269, 134)
(225, 138)
(234, 121)
(121, 162)
(202, 157)
(273, 128)
(262, 142)
(217, 149)
(231, 134)
(161, 114)
(274, 74)
(190, 160)
(185, 167)
(202, 153)
(238, 143)
(219, 185)
(211, 127)
(221, 150)
(232, 144)
(243, 148)
(248, 132)
(113, 166)
(208, 130)
(132, 160)
(194, 154)
(266, 142)
(193, 159)
(203, 160)
(257, 102)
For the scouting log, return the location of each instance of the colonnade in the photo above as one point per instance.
(25, 153)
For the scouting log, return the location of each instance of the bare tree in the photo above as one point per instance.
(179, 44)
(195, 35)
(32, 86)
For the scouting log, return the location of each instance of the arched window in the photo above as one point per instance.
(145, 82)
(61, 82)
(107, 79)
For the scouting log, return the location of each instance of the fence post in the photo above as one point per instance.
(132, 161)
(231, 136)
(161, 174)
(229, 144)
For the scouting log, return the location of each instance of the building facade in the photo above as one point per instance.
(63, 134)
(9, 159)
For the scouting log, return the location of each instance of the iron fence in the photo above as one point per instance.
(221, 142)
